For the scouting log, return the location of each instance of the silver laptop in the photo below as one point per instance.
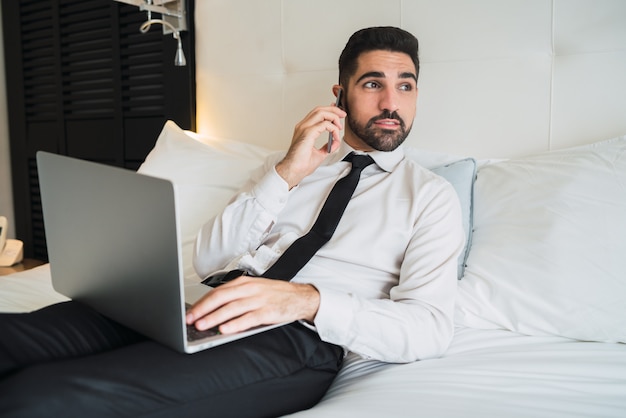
(113, 244)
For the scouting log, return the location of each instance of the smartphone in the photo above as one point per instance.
(330, 134)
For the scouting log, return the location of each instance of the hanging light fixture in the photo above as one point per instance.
(179, 59)
(173, 19)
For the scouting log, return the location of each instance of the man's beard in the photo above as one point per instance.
(381, 140)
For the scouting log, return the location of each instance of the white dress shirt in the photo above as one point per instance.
(387, 278)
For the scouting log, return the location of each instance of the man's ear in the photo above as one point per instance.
(336, 89)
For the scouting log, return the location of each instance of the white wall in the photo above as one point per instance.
(6, 196)
(499, 78)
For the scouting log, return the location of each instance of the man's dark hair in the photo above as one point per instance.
(386, 38)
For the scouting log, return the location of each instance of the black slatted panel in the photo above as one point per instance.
(39, 61)
(83, 81)
(40, 83)
(87, 59)
(143, 81)
(39, 233)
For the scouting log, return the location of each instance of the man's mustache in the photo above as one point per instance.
(386, 115)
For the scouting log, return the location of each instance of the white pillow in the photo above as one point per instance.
(206, 174)
(549, 245)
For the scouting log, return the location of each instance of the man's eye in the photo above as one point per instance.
(371, 85)
(406, 87)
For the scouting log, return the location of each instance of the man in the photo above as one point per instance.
(382, 287)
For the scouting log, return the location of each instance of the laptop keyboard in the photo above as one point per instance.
(193, 334)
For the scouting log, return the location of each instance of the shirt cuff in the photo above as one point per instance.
(334, 317)
(271, 192)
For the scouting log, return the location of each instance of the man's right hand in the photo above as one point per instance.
(303, 157)
(246, 302)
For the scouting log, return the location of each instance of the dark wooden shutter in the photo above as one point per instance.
(83, 81)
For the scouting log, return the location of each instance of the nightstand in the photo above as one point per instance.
(25, 264)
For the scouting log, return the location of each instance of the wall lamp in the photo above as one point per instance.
(173, 19)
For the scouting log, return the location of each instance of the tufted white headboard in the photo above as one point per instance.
(499, 78)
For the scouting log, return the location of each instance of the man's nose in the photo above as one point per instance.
(389, 100)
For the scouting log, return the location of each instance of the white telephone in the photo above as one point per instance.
(11, 250)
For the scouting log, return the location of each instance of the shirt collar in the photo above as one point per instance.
(386, 160)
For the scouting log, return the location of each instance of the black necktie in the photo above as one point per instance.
(301, 251)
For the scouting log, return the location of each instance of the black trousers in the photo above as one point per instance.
(67, 360)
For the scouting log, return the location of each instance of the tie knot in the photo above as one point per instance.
(359, 160)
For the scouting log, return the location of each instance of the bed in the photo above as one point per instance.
(541, 311)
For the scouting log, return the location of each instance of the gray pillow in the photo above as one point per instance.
(461, 175)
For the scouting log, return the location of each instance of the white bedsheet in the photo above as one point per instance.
(485, 373)
(28, 290)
